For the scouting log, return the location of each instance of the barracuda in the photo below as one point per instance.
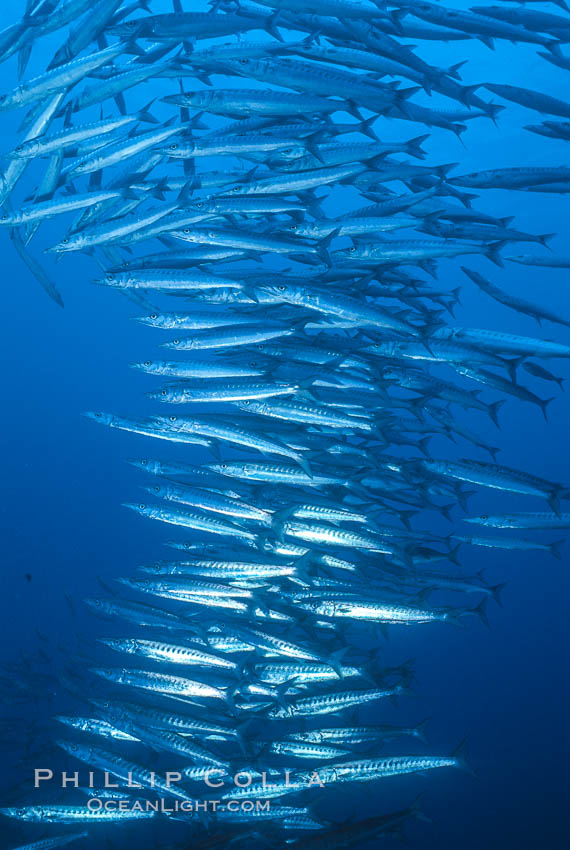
(292, 411)
(73, 814)
(59, 78)
(190, 520)
(186, 586)
(221, 569)
(161, 683)
(152, 429)
(226, 432)
(330, 703)
(373, 611)
(168, 652)
(168, 280)
(185, 393)
(230, 337)
(95, 727)
(47, 209)
(245, 102)
(211, 501)
(164, 719)
(120, 767)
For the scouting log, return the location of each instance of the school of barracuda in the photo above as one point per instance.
(309, 359)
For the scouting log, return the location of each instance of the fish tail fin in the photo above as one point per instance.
(544, 238)
(555, 548)
(494, 410)
(404, 94)
(492, 110)
(132, 48)
(467, 91)
(443, 170)
(146, 116)
(311, 145)
(305, 465)
(512, 366)
(543, 406)
(554, 501)
(554, 45)
(323, 246)
(453, 70)
(493, 252)
(271, 26)
(496, 591)
(366, 128)
(459, 129)
(414, 146)
(419, 731)
(416, 812)
(335, 661)
(453, 555)
(456, 295)
(459, 754)
(481, 611)
(463, 496)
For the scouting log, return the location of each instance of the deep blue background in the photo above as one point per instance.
(64, 480)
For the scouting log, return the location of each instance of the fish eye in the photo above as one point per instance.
(484, 516)
(224, 466)
(175, 342)
(199, 204)
(156, 489)
(246, 402)
(172, 418)
(20, 812)
(98, 415)
(109, 277)
(141, 506)
(64, 241)
(164, 392)
(293, 227)
(143, 462)
(173, 146)
(352, 249)
(187, 230)
(147, 362)
(20, 148)
(244, 61)
(154, 315)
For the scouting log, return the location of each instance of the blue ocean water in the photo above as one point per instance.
(504, 689)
